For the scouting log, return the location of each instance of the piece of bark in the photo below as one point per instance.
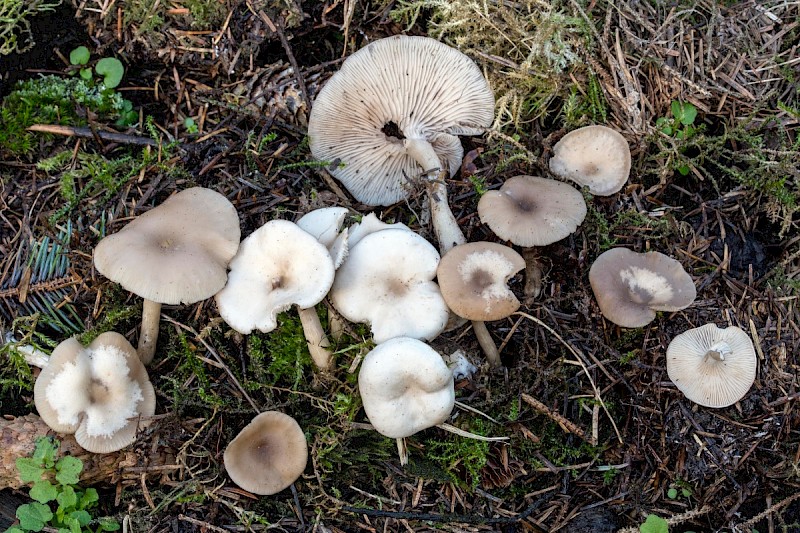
(18, 439)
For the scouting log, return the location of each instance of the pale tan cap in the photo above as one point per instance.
(268, 455)
(630, 287)
(473, 277)
(713, 367)
(418, 87)
(532, 211)
(593, 156)
(177, 252)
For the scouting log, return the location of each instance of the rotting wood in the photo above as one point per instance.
(18, 439)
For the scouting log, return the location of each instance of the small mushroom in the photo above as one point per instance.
(630, 287)
(325, 224)
(405, 387)
(472, 278)
(277, 266)
(268, 455)
(175, 253)
(387, 281)
(593, 156)
(98, 392)
(713, 367)
(394, 111)
(532, 211)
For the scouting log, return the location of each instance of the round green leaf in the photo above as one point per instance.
(79, 56)
(43, 491)
(33, 516)
(672, 493)
(654, 524)
(69, 469)
(111, 69)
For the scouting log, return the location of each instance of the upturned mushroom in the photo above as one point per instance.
(630, 287)
(268, 455)
(176, 253)
(387, 281)
(593, 156)
(394, 111)
(277, 266)
(713, 367)
(405, 387)
(101, 392)
(325, 224)
(472, 278)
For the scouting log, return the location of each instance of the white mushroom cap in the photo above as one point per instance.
(175, 253)
(473, 277)
(268, 455)
(406, 387)
(595, 156)
(532, 211)
(713, 367)
(98, 392)
(630, 287)
(325, 224)
(370, 223)
(418, 87)
(387, 282)
(277, 266)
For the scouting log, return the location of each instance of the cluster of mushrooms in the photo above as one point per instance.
(392, 116)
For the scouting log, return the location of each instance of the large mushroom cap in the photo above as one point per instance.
(277, 266)
(595, 156)
(630, 287)
(268, 455)
(391, 92)
(387, 281)
(532, 211)
(98, 392)
(713, 367)
(406, 387)
(473, 277)
(175, 253)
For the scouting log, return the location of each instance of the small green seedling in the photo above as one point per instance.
(55, 484)
(680, 125)
(80, 56)
(654, 524)
(190, 125)
(111, 69)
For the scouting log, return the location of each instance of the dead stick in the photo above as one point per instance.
(18, 439)
(87, 133)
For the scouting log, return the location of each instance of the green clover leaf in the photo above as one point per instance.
(79, 56)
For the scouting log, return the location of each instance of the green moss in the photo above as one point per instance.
(15, 29)
(51, 100)
(279, 357)
(462, 458)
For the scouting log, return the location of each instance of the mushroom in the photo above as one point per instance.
(175, 253)
(595, 156)
(268, 455)
(98, 392)
(713, 367)
(405, 387)
(472, 278)
(630, 287)
(531, 211)
(325, 224)
(394, 110)
(387, 281)
(277, 266)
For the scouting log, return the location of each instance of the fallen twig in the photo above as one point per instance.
(88, 133)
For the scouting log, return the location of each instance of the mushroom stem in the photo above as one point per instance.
(402, 450)
(533, 275)
(317, 342)
(445, 224)
(148, 334)
(719, 351)
(486, 342)
(32, 355)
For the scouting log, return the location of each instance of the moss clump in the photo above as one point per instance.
(51, 100)
(15, 30)
(463, 458)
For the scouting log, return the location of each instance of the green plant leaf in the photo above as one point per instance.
(15, 529)
(109, 525)
(29, 469)
(686, 492)
(79, 56)
(45, 452)
(688, 113)
(33, 516)
(672, 493)
(88, 499)
(69, 470)
(684, 170)
(85, 73)
(67, 499)
(677, 109)
(654, 524)
(74, 525)
(81, 516)
(111, 69)
(43, 491)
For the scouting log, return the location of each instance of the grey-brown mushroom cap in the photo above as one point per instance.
(707, 380)
(532, 211)
(177, 252)
(268, 455)
(595, 156)
(397, 88)
(630, 287)
(473, 277)
(64, 353)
